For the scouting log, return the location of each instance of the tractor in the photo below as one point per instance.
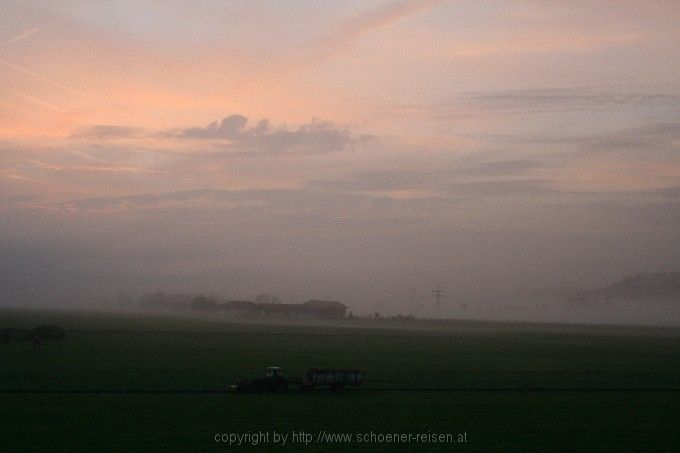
(273, 382)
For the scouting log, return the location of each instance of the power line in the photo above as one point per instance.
(438, 295)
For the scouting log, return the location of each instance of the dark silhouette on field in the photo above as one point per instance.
(49, 332)
(37, 343)
(275, 382)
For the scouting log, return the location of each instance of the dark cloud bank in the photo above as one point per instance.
(316, 136)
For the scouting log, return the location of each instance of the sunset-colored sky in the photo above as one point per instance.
(342, 149)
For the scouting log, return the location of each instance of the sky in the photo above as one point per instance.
(347, 150)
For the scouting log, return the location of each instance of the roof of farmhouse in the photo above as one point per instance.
(324, 304)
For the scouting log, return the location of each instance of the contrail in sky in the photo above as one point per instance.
(21, 36)
(43, 78)
(38, 101)
(353, 28)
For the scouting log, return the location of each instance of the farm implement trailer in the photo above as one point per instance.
(275, 382)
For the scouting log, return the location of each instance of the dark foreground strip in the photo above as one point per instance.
(171, 392)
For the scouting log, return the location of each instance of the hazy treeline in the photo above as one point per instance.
(160, 300)
(651, 298)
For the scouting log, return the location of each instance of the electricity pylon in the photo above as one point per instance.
(438, 295)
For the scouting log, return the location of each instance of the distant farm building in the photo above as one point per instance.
(239, 307)
(318, 309)
(326, 308)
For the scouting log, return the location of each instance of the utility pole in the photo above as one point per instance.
(438, 295)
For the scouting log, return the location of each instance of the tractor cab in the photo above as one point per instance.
(274, 373)
(273, 382)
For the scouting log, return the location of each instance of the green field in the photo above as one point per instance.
(153, 383)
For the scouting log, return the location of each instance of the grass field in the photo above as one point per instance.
(153, 383)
